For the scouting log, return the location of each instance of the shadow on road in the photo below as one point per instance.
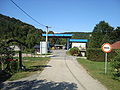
(36, 68)
(38, 85)
(42, 66)
(4, 76)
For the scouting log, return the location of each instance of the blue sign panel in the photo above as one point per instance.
(78, 40)
(58, 35)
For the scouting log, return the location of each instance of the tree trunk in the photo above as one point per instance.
(2, 65)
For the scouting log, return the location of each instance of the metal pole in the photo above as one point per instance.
(68, 44)
(105, 63)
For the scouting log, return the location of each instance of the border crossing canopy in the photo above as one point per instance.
(67, 36)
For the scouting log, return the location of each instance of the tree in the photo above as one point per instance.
(51, 40)
(101, 34)
(38, 36)
(5, 53)
(116, 35)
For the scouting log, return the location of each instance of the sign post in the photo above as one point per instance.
(105, 63)
(106, 47)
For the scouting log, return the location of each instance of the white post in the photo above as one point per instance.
(105, 63)
(47, 38)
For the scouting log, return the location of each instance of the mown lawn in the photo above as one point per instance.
(33, 65)
(96, 70)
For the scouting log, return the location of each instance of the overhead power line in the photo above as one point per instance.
(27, 14)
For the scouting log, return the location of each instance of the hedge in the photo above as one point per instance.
(116, 66)
(96, 54)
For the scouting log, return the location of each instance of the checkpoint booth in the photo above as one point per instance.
(66, 36)
(81, 44)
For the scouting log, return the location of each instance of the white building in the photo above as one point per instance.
(81, 44)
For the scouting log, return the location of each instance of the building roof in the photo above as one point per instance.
(116, 45)
(37, 46)
(15, 48)
(78, 40)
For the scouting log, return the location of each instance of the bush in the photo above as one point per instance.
(12, 67)
(96, 54)
(116, 66)
(74, 51)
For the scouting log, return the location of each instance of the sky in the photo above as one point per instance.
(64, 15)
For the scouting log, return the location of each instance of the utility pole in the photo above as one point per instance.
(47, 36)
(47, 33)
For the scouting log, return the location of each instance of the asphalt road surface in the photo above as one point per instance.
(62, 73)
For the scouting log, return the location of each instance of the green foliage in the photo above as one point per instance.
(5, 53)
(60, 41)
(52, 40)
(116, 34)
(12, 67)
(116, 66)
(11, 28)
(80, 35)
(74, 51)
(96, 54)
(102, 33)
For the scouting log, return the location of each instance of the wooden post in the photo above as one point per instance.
(20, 59)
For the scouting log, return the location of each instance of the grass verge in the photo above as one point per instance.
(96, 70)
(33, 65)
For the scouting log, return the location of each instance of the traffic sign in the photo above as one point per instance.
(106, 47)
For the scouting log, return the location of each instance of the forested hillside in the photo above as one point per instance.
(80, 35)
(11, 28)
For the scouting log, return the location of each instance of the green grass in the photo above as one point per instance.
(47, 54)
(33, 65)
(96, 70)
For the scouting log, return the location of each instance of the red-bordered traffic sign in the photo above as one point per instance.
(106, 47)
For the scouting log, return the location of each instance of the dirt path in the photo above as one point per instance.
(63, 73)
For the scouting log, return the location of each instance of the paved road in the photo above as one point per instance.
(63, 73)
(66, 69)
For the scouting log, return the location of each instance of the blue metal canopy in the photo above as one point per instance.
(78, 40)
(58, 35)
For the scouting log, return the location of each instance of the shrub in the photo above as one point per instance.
(12, 67)
(116, 66)
(74, 51)
(96, 54)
